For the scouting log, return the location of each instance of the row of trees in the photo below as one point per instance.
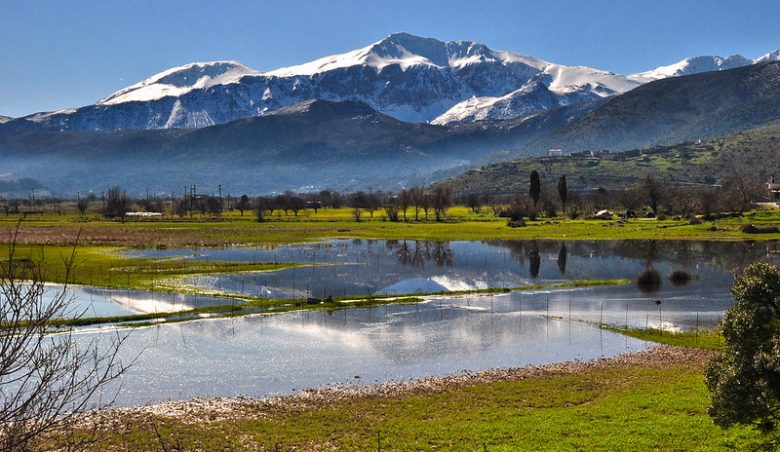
(395, 207)
(650, 197)
(737, 194)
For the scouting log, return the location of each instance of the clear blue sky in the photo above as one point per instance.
(56, 54)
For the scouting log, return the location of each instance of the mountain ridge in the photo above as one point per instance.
(404, 76)
(677, 109)
(349, 145)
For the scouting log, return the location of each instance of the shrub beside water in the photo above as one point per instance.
(649, 281)
(753, 229)
(680, 277)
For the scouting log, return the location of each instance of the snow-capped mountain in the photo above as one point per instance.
(772, 56)
(518, 104)
(181, 80)
(404, 76)
(407, 77)
(4, 119)
(696, 65)
(553, 87)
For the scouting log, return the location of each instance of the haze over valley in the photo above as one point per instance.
(403, 111)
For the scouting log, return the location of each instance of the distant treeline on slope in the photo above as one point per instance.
(753, 153)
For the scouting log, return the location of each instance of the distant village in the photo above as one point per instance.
(606, 154)
(772, 186)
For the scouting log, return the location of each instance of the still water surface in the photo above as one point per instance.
(361, 267)
(279, 354)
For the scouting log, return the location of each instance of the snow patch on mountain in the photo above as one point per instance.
(180, 80)
(555, 86)
(569, 79)
(4, 119)
(771, 56)
(695, 65)
(406, 50)
(407, 77)
(526, 101)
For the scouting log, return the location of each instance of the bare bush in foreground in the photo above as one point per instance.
(47, 377)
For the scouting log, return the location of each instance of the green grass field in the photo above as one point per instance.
(703, 339)
(460, 224)
(106, 267)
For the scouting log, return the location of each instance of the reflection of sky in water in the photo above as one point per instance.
(278, 354)
(407, 266)
(397, 266)
(258, 356)
(99, 302)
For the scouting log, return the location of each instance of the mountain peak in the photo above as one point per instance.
(406, 50)
(405, 46)
(771, 56)
(403, 49)
(697, 64)
(180, 80)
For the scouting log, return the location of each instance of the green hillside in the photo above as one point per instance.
(753, 153)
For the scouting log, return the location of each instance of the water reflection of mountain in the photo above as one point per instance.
(395, 266)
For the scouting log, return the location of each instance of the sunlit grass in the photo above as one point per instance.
(627, 408)
(704, 339)
(460, 224)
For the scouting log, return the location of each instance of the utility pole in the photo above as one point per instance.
(193, 195)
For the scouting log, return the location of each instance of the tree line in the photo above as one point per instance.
(651, 197)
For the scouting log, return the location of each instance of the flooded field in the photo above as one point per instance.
(364, 267)
(279, 354)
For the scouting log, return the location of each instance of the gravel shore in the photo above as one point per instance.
(218, 409)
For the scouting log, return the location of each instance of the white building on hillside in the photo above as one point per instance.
(774, 190)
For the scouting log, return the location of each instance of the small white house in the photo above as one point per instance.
(555, 153)
(774, 190)
(144, 214)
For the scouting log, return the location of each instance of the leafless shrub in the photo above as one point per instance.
(46, 380)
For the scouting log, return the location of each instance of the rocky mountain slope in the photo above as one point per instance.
(675, 110)
(407, 77)
(312, 145)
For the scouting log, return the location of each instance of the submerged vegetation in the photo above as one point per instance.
(107, 267)
(703, 339)
(239, 305)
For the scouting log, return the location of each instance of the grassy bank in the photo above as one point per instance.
(460, 224)
(647, 401)
(702, 339)
(107, 267)
(242, 305)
